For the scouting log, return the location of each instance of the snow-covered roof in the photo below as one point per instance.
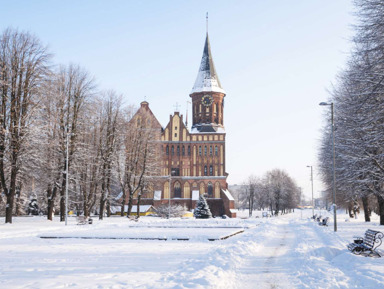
(143, 208)
(228, 194)
(207, 78)
(207, 128)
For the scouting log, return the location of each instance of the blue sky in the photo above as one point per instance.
(275, 59)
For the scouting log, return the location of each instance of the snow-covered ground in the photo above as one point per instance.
(289, 251)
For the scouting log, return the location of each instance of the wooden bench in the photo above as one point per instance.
(369, 243)
(81, 220)
(324, 222)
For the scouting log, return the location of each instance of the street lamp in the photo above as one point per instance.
(66, 181)
(313, 206)
(334, 167)
(169, 196)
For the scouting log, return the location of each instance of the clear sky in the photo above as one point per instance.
(275, 59)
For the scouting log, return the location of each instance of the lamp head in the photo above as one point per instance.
(325, 103)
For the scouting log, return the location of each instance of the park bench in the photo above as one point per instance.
(266, 215)
(318, 218)
(324, 222)
(82, 220)
(314, 217)
(133, 218)
(369, 243)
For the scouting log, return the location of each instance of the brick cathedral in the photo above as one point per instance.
(193, 162)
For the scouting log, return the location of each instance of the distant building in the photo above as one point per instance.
(195, 158)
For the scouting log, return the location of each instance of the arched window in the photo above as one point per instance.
(183, 151)
(189, 150)
(199, 150)
(205, 170)
(210, 190)
(177, 190)
(210, 170)
(216, 151)
(210, 150)
(178, 150)
(167, 150)
(205, 150)
(172, 150)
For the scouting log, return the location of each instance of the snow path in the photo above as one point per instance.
(289, 251)
(270, 267)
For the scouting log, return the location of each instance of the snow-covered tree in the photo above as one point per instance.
(202, 210)
(23, 69)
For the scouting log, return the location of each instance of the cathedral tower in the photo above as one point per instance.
(207, 96)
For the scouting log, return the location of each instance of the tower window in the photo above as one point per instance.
(216, 151)
(205, 170)
(210, 170)
(189, 150)
(178, 150)
(210, 150)
(183, 151)
(175, 134)
(205, 150)
(167, 150)
(173, 150)
(199, 150)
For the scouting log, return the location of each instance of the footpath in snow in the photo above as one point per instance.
(289, 251)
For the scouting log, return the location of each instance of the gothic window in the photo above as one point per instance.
(178, 150)
(189, 150)
(172, 150)
(205, 150)
(175, 134)
(177, 190)
(216, 151)
(199, 150)
(167, 150)
(210, 190)
(210, 170)
(205, 170)
(210, 150)
(183, 151)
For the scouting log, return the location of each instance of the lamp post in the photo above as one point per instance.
(66, 181)
(313, 206)
(169, 196)
(334, 167)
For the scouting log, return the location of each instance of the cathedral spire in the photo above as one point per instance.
(207, 79)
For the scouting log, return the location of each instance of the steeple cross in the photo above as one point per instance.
(176, 106)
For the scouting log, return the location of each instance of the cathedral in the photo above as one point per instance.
(193, 162)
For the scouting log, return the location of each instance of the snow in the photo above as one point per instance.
(206, 83)
(228, 195)
(289, 251)
(218, 129)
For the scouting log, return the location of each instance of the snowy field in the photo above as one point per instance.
(289, 251)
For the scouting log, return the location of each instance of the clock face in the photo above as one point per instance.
(207, 100)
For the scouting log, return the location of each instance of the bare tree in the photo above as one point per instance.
(23, 69)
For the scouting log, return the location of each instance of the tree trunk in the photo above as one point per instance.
(122, 203)
(380, 199)
(11, 196)
(108, 208)
(51, 195)
(9, 208)
(138, 206)
(130, 203)
(102, 206)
